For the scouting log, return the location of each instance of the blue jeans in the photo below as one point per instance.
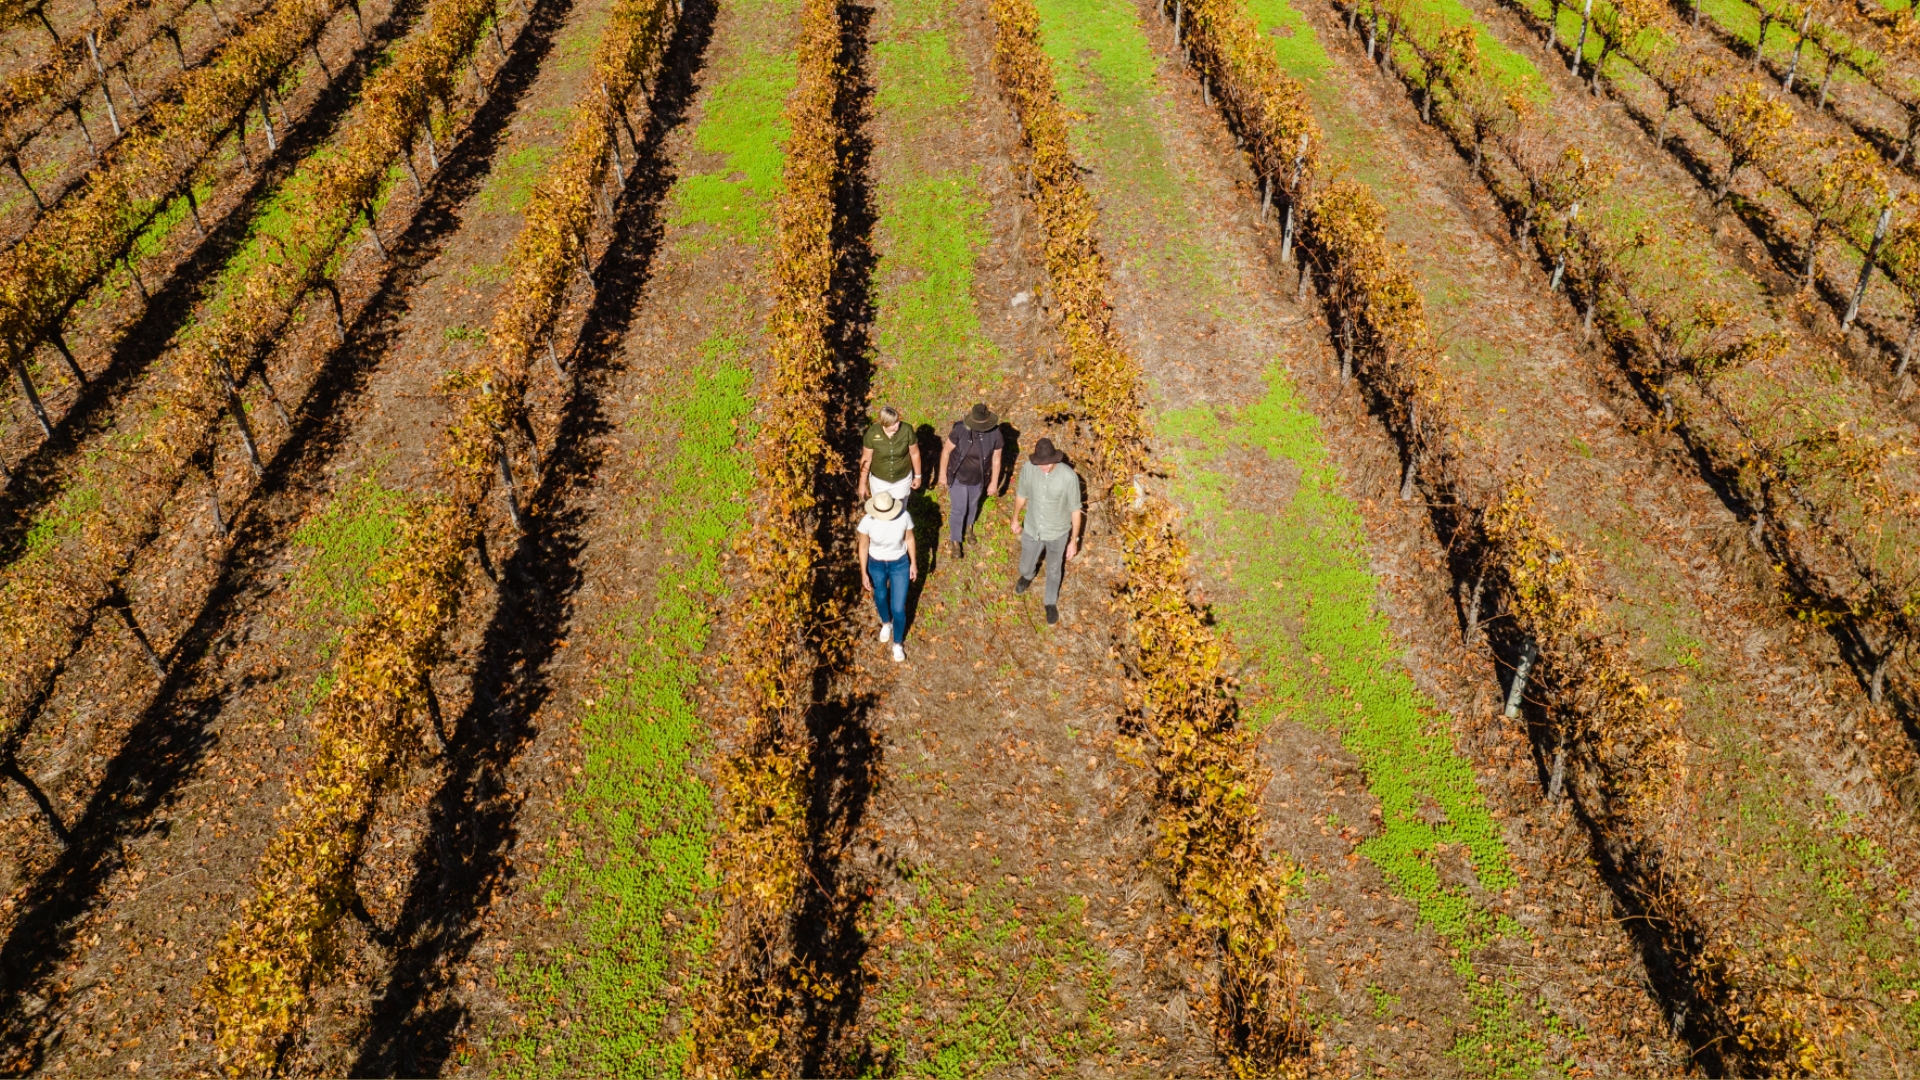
(890, 592)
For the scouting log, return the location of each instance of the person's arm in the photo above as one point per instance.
(946, 455)
(1073, 536)
(860, 561)
(866, 462)
(913, 453)
(1019, 504)
(994, 480)
(913, 555)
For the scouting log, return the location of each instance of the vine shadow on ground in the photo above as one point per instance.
(164, 748)
(173, 302)
(474, 816)
(846, 756)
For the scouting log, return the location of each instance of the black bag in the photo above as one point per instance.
(971, 467)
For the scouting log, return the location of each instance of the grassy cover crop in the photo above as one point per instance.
(260, 980)
(1746, 1011)
(747, 1013)
(1208, 778)
(640, 892)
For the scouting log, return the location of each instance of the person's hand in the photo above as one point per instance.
(866, 581)
(1016, 527)
(943, 483)
(913, 572)
(1073, 548)
(860, 491)
(915, 486)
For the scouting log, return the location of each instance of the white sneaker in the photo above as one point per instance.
(899, 655)
(886, 632)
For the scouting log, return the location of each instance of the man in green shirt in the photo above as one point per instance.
(889, 457)
(1049, 493)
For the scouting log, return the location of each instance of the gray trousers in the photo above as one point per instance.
(963, 508)
(1032, 547)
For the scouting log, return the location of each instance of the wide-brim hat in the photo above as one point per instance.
(1045, 453)
(981, 418)
(884, 506)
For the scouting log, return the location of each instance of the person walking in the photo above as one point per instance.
(889, 456)
(886, 554)
(1049, 493)
(970, 471)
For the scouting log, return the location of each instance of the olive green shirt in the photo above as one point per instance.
(890, 460)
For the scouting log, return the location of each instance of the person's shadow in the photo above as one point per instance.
(928, 504)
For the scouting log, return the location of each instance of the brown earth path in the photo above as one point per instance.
(113, 332)
(1226, 348)
(1779, 769)
(109, 937)
(1013, 922)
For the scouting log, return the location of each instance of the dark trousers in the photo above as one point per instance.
(963, 509)
(890, 593)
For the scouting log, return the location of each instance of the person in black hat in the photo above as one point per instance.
(1052, 489)
(970, 471)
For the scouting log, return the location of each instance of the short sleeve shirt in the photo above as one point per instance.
(886, 537)
(967, 444)
(890, 452)
(1052, 499)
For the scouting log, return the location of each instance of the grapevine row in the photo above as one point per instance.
(263, 970)
(1863, 37)
(1828, 494)
(1207, 772)
(1620, 746)
(88, 52)
(31, 100)
(1621, 749)
(765, 784)
(1836, 182)
(49, 595)
(76, 243)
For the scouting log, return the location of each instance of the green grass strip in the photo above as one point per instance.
(633, 888)
(1306, 608)
(744, 125)
(933, 355)
(1303, 610)
(1107, 74)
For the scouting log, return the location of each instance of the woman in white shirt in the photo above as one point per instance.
(887, 554)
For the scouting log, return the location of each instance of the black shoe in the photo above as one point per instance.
(1022, 585)
(959, 549)
(1053, 614)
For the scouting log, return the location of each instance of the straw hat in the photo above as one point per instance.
(884, 506)
(981, 418)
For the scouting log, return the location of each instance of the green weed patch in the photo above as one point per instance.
(987, 982)
(1303, 610)
(932, 228)
(744, 124)
(344, 543)
(1109, 78)
(645, 816)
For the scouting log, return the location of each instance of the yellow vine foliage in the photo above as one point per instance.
(1639, 753)
(262, 973)
(28, 98)
(745, 1012)
(259, 976)
(1208, 774)
(48, 596)
(1371, 287)
(78, 240)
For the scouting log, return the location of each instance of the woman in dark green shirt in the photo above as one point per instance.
(889, 457)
